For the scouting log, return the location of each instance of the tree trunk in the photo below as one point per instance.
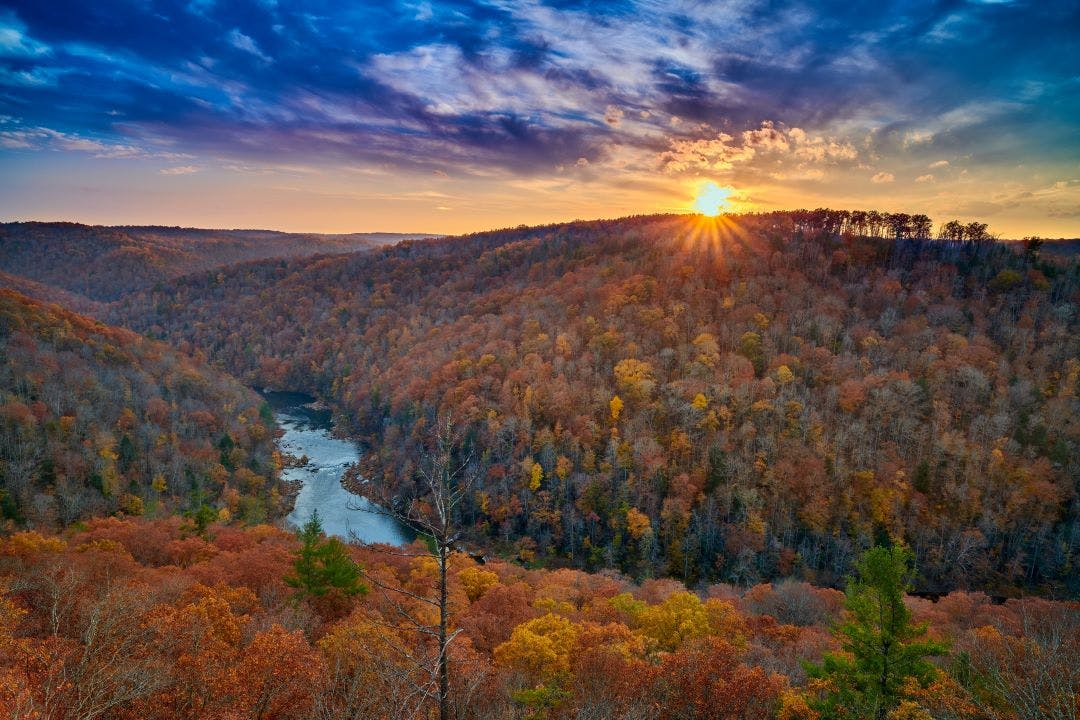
(444, 674)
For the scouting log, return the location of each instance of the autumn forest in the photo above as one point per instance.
(798, 465)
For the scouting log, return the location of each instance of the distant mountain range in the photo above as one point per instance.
(98, 263)
(1062, 246)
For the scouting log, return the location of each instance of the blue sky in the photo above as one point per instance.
(450, 116)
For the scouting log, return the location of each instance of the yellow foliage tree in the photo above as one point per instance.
(727, 622)
(616, 406)
(476, 582)
(793, 706)
(784, 375)
(635, 378)
(681, 617)
(536, 474)
(131, 504)
(29, 543)
(637, 523)
(110, 480)
(539, 648)
(679, 442)
(708, 350)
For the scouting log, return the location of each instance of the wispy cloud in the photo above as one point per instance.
(240, 41)
(179, 170)
(14, 42)
(43, 138)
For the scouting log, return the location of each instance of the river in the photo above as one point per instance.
(307, 432)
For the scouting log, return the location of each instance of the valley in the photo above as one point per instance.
(770, 394)
(670, 439)
(740, 380)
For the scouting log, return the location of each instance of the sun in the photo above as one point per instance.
(711, 199)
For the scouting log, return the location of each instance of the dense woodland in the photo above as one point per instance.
(95, 420)
(731, 400)
(139, 618)
(685, 408)
(103, 263)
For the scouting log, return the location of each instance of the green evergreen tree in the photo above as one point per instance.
(323, 564)
(127, 452)
(201, 517)
(882, 648)
(226, 445)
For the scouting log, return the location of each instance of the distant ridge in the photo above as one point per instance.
(100, 263)
(1057, 246)
(192, 228)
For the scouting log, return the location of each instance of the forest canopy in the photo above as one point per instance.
(95, 420)
(680, 435)
(141, 618)
(734, 399)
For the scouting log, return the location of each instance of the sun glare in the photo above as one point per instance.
(712, 199)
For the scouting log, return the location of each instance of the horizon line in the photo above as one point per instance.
(421, 235)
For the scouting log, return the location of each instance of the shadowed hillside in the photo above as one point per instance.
(103, 263)
(96, 420)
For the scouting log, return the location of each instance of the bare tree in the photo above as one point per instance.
(1032, 674)
(427, 502)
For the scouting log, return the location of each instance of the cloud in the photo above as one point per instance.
(800, 173)
(240, 41)
(768, 138)
(820, 149)
(14, 43)
(179, 170)
(768, 144)
(882, 177)
(613, 115)
(925, 178)
(938, 164)
(717, 153)
(43, 138)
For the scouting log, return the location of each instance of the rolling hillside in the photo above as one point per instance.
(95, 420)
(103, 263)
(731, 399)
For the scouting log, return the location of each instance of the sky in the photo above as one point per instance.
(458, 116)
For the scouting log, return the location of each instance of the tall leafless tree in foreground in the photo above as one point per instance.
(427, 503)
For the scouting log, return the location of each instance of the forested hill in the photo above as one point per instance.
(732, 399)
(103, 263)
(96, 420)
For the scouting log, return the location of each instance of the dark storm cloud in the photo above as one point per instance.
(526, 87)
